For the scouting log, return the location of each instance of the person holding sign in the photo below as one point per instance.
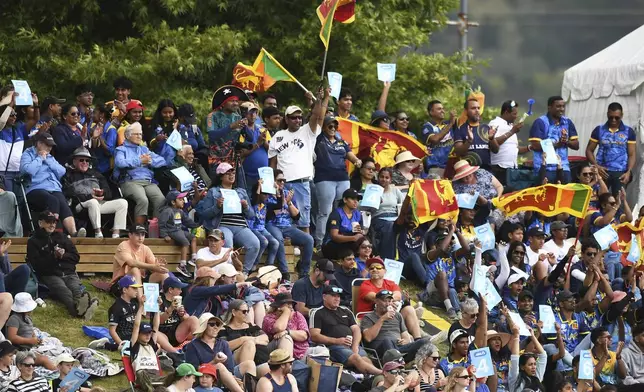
(610, 212)
(143, 352)
(527, 370)
(65, 364)
(234, 225)
(331, 177)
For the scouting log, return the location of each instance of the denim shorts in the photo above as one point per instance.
(341, 354)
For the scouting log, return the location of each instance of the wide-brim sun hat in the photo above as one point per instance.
(407, 156)
(203, 322)
(505, 337)
(23, 303)
(463, 169)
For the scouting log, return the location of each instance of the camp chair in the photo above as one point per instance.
(355, 293)
(131, 376)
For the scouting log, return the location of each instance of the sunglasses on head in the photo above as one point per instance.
(337, 290)
(386, 292)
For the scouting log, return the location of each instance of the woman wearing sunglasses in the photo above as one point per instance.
(612, 210)
(365, 252)
(401, 124)
(460, 380)
(28, 381)
(431, 376)
(248, 342)
(68, 135)
(588, 175)
(364, 175)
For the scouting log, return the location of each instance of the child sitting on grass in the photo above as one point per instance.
(20, 328)
(143, 353)
(65, 363)
(208, 379)
(173, 222)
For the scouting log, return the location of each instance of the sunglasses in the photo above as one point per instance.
(74, 114)
(280, 180)
(366, 246)
(591, 254)
(614, 118)
(337, 290)
(386, 292)
(376, 267)
(438, 358)
(294, 117)
(612, 203)
(403, 118)
(473, 315)
(29, 365)
(395, 372)
(386, 119)
(214, 324)
(84, 160)
(588, 174)
(369, 168)
(464, 377)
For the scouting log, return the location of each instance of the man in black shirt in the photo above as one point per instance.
(335, 326)
(346, 274)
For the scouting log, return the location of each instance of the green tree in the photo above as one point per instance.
(184, 49)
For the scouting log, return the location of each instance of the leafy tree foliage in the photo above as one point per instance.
(184, 49)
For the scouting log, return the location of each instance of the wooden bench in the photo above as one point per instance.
(97, 255)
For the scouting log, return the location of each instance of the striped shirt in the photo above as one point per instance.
(36, 384)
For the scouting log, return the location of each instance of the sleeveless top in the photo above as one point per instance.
(286, 387)
(425, 387)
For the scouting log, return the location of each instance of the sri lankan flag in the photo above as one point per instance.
(548, 200)
(432, 199)
(265, 72)
(346, 11)
(625, 232)
(380, 144)
(326, 13)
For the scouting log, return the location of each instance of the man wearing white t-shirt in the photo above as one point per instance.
(506, 136)
(557, 244)
(291, 151)
(216, 254)
(536, 236)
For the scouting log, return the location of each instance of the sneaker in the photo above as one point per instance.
(439, 337)
(83, 304)
(98, 235)
(419, 310)
(98, 343)
(192, 262)
(452, 315)
(183, 270)
(93, 305)
(81, 232)
(115, 235)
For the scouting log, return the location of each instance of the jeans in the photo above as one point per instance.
(15, 281)
(327, 193)
(385, 241)
(242, 236)
(302, 196)
(413, 269)
(299, 238)
(613, 267)
(66, 289)
(266, 241)
(613, 183)
(408, 350)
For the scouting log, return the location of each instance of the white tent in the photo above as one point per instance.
(615, 74)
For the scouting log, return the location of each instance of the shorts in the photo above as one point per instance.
(341, 354)
(181, 238)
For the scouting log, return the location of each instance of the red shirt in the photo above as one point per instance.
(368, 287)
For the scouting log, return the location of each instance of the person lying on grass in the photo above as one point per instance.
(20, 328)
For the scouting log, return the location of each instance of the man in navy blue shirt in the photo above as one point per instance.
(473, 138)
(307, 291)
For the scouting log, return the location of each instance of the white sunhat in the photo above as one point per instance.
(23, 303)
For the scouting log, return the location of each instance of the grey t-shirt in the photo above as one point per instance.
(390, 330)
(23, 323)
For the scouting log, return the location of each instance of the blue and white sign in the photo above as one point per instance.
(482, 361)
(479, 278)
(335, 82)
(24, 93)
(174, 140)
(548, 148)
(268, 179)
(184, 178)
(467, 200)
(586, 368)
(547, 316)
(232, 203)
(74, 379)
(492, 296)
(636, 250)
(394, 270)
(518, 321)
(372, 197)
(485, 234)
(386, 72)
(606, 236)
(151, 292)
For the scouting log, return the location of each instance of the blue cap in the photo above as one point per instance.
(128, 281)
(173, 281)
(145, 328)
(377, 116)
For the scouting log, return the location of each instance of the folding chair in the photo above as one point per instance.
(131, 376)
(355, 293)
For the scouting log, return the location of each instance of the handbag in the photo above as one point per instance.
(324, 369)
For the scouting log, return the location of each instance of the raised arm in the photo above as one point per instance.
(382, 102)
(319, 110)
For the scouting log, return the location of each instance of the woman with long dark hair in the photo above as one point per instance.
(164, 122)
(68, 135)
(527, 370)
(364, 175)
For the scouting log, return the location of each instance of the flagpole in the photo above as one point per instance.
(326, 52)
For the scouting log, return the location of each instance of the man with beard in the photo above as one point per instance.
(279, 377)
(439, 137)
(307, 291)
(473, 138)
(561, 130)
(573, 325)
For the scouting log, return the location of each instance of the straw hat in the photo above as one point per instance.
(203, 322)
(23, 303)
(279, 356)
(463, 169)
(505, 337)
(406, 156)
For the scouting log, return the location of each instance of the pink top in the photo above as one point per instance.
(296, 323)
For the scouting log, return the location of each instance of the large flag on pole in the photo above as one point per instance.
(380, 144)
(548, 200)
(346, 11)
(432, 199)
(326, 13)
(264, 73)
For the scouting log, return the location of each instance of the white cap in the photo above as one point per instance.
(292, 109)
(227, 270)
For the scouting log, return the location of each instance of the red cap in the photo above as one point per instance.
(208, 368)
(375, 260)
(134, 104)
